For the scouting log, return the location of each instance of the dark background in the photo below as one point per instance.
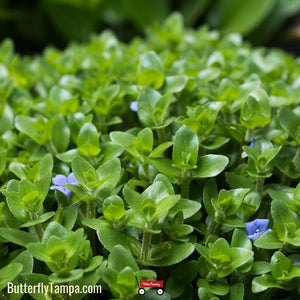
(34, 24)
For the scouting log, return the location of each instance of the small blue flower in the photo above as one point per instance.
(252, 143)
(257, 228)
(134, 106)
(60, 180)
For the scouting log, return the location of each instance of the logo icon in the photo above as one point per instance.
(151, 283)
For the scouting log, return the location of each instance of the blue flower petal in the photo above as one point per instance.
(61, 189)
(256, 228)
(72, 179)
(134, 106)
(252, 143)
(262, 224)
(250, 227)
(60, 180)
(255, 236)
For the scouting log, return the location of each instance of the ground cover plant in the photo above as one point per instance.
(175, 158)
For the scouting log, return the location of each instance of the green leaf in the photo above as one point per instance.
(164, 166)
(144, 141)
(133, 198)
(280, 265)
(83, 171)
(109, 172)
(18, 237)
(9, 273)
(240, 239)
(214, 142)
(69, 216)
(268, 240)
(55, 229)
(220, 252)
(281, 216)
(260, 267)
(24, 125)
(256, 109)
(185, 149)
(119, 258)
(113, 213)
(40, 252)
(210, 165)
(249, 16)
(35, 279)
(186, 206)
(175, 84)
(43, 218)
(290, 123)
(160, 149)
(2, 160)
(264, 282)
(147, 100)
(88, 140)
(125, 140)
(61, 129)
(220, 289)
(110, 237)
(240, 256)
(150, 70)
(72, 275)
(145, 14)
(237, 291)
(26, 260)
(210, 192)
(176, 254)
(230, 201)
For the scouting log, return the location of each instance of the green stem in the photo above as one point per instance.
(51, 148)
(91, 209)
(249, 135)
(161, 135)
(259, 187)
(146, 244)
(210, 277)
(37, 227)
(296, 159)
(212, 226)
(146, 169)
(185, 188)
(82, 215)
(286, 180)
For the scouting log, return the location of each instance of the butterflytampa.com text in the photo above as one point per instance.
(52, 288)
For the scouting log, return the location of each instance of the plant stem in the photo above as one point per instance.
(185, 186)
(51, 148)
(146, 169)
(212, 226)
(210, 277)
(146, 243)
(286, 180)
(249, 135)
(91, 209)
(259, 187)
(296, 159)
(161, 135)
(37, 227)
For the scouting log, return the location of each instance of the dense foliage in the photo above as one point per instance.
(176, 157)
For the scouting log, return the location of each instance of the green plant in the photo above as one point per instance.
(174, 158)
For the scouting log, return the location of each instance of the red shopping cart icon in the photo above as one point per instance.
(150, 283)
